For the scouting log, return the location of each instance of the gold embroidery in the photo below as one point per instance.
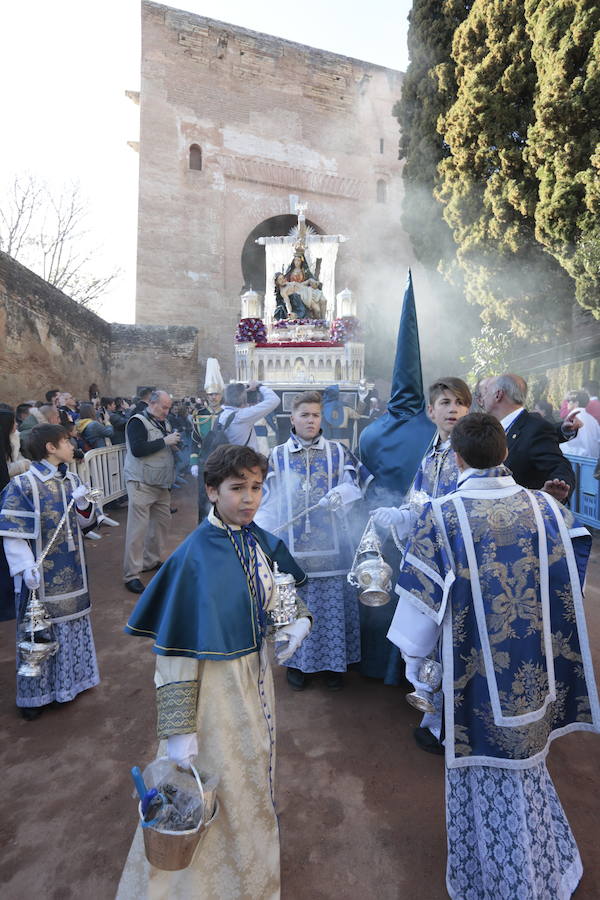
(176, 708)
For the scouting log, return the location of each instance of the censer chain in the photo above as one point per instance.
(52, 540)
(301, 515)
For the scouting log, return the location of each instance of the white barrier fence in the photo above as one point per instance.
(102, 469)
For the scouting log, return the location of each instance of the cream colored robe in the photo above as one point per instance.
(238, 858)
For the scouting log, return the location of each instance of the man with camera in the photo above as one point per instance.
(149, 475)
(240, 427)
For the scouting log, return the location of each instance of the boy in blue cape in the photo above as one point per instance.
(494, 572)
(206, 610)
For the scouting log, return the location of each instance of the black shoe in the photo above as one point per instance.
(334, 681)
(428, 741)
(296, 679)
(30, 713)
(135, 586)
(153, 568)
(173, 509)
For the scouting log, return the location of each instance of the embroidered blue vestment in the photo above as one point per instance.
(500, 569)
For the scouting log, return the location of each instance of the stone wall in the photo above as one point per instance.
(46, 339)
(274, 120)
(154, 356)
(49, 341)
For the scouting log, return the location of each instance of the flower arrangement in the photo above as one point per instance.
(345, 329)
(291, 323)
(251, 330)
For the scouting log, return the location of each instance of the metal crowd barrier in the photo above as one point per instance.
(585, 499)
(103, 469)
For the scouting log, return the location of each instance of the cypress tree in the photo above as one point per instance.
(428, 90)
(564, 142)
(488, 189)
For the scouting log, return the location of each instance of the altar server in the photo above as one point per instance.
(495, 571)
(31, 507)
(206, 611)
(309, 471)
(449, 400)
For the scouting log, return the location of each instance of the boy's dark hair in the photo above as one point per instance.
(479, 438)
(232, 459)
(235, 394)
(306, 397)
(50, 395)
(41, 435)
(456, 386)
(106, 401)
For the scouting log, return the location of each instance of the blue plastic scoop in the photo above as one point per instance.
(138, 780)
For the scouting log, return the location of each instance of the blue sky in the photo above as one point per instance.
(65, 66)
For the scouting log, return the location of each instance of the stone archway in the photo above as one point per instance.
(253, 255)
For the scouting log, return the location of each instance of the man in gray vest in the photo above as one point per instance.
(149, 474)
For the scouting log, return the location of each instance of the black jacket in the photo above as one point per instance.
(534, 455)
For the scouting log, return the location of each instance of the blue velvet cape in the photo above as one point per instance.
(198, 604)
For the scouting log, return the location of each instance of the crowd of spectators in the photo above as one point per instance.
(94, 422)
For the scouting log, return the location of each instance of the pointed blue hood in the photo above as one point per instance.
(392, 447)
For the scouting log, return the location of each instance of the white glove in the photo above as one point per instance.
(181, 747)
(340, 495)
(31, 577)
(386, 516)
(333, 499)
(194, 471)
(294, 634)
(79, 496)
(413, 664)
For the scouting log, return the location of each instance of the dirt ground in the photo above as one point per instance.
(362, 812)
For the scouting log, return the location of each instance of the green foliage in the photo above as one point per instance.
(427, 92)
(490, 353)
(564, 141)
(487, 187)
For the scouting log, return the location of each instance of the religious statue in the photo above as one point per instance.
(288, 302)
(298, 293)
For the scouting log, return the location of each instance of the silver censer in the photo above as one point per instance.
(430, 673)
(284, 609)
(33, 653)
(370, 573)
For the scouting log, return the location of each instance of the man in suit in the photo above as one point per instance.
(534, 455)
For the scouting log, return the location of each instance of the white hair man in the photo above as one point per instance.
(534, 456)
(149, 474)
